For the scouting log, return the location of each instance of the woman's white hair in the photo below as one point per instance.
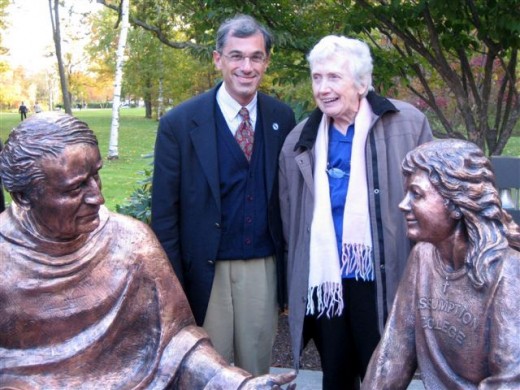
(355, 53)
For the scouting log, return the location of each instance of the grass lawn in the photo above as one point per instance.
(513, 147)
(136, 140)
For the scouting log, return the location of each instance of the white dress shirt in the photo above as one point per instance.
(230, 108)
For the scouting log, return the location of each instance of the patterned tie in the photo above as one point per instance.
(245, 134)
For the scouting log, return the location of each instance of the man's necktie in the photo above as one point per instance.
(245, 134)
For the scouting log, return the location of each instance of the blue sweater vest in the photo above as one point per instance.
(245, 229)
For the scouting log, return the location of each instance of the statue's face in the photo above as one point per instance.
(68, 199)
(427, 216)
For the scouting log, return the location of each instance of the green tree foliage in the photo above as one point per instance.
(149, 61)
(139, 204)
(460, 55)
(182, 74)
(3, 23)
(191, 27)
(458, 59)
(5, 69)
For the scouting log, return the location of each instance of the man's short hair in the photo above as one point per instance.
(242, 26)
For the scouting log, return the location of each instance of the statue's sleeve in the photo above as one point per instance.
(394, 361)
(196, 364)
(504, 343)
(188, 360)
(204, 368)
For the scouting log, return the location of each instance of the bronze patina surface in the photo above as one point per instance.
(88, 299)
(456, 313)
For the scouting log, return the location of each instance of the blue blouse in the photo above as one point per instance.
(338, 170)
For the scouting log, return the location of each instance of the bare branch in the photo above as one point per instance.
(159, 33)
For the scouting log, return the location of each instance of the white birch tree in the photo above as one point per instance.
(113, 152)
(54, 6)
(160, 92)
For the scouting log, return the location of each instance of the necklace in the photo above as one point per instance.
(445, 285)
(447, 273)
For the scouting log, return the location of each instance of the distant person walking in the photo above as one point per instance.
(23, 111)
(37, 108)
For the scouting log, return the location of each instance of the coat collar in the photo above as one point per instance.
(203, 136)
(379, 104)
(204, 139)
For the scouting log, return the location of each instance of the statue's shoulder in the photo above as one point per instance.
(5, 219)
(422, 249)
(127, 224)
(511, 260)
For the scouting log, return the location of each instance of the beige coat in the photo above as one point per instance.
(396, 128)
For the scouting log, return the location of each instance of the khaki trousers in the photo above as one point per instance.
(242, 315)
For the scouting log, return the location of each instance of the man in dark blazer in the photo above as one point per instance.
(215, 209)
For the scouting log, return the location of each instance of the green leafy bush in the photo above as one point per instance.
(138, 205)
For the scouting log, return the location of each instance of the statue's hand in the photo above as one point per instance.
(270, 381)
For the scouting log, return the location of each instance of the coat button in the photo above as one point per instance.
(382, 266)
(211, 262)
(217, 225)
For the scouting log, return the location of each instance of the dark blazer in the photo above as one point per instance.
(186, 207)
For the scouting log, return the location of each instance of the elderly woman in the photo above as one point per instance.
(456, 313)
(340, 185)
(88, 299)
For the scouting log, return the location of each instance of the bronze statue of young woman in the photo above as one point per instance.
(456, 314)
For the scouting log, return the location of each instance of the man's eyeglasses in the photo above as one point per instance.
(240, 58)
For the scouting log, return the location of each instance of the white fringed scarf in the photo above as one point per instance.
(325, 272)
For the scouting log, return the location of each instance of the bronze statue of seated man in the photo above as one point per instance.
(88, 299)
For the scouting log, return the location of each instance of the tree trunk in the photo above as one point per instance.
(113, 152)
(148, 102)
(148, 106)
(160, 92)
(160, 99)
(56, 35)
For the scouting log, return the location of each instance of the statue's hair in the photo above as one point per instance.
(40, 136)
(356, 53)
(464, 177)
(242, 26)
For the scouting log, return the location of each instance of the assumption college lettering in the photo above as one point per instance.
(458, 312)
